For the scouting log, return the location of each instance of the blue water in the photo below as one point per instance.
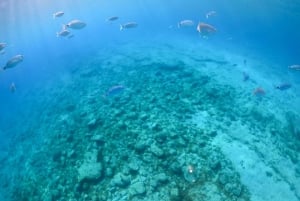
(263, 29)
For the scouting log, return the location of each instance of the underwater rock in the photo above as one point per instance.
(120, 180)
(144, 116)
(223, 178)
(174, 193)
(140, 146)
(175, 167)
(207, 191)
(98, 138)
(133, 167)
(137, 188)
(155, 150)
(214, 163)
(230, 183)
(233, 189)
(161, 137)
(91, 168)
(89, 171)
(108, 172)
(161, 178)
(158, 180)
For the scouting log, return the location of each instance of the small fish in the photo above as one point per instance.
(210, 14)
(113, 18)
(245, 76)
(2, 46)
(12, 87)
(128, 25)
(13, 61)
(185, 23)
(283, 86)
(259, 92)
(63, 33)
(71, 36)
(58, 14)
(75, 24)
(114, 90)
(294, 67)
(205, 29)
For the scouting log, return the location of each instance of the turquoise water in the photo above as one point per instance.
(153, 112)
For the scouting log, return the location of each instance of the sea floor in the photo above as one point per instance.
(185, 127)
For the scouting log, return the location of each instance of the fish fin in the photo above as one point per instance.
(121, 27)
(64, 26)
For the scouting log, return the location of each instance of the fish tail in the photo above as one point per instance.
(64, 26)
(121, 27)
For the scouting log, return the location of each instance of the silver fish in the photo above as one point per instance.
(58, 14)
(128, 25)
(294, 67)
(113, 18)
(114, 90)
(63, 32)
(283, 86)
(75, 24)
(2, 46)
(13, 61)
(185, 23)
(211, 13)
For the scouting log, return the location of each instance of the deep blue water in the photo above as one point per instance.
(269, 29)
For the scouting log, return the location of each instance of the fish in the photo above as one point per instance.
(294, 67)
(205, 29)
(210, 14)
(63, 32)
(114, 90)
(245, 76)
(128, 25)
(283, 86)
(12, 87)
(113, 18)
(185, 23)
(75, 24)
(13, 62)
(58, 14)
(2, 46)
(259, 92)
